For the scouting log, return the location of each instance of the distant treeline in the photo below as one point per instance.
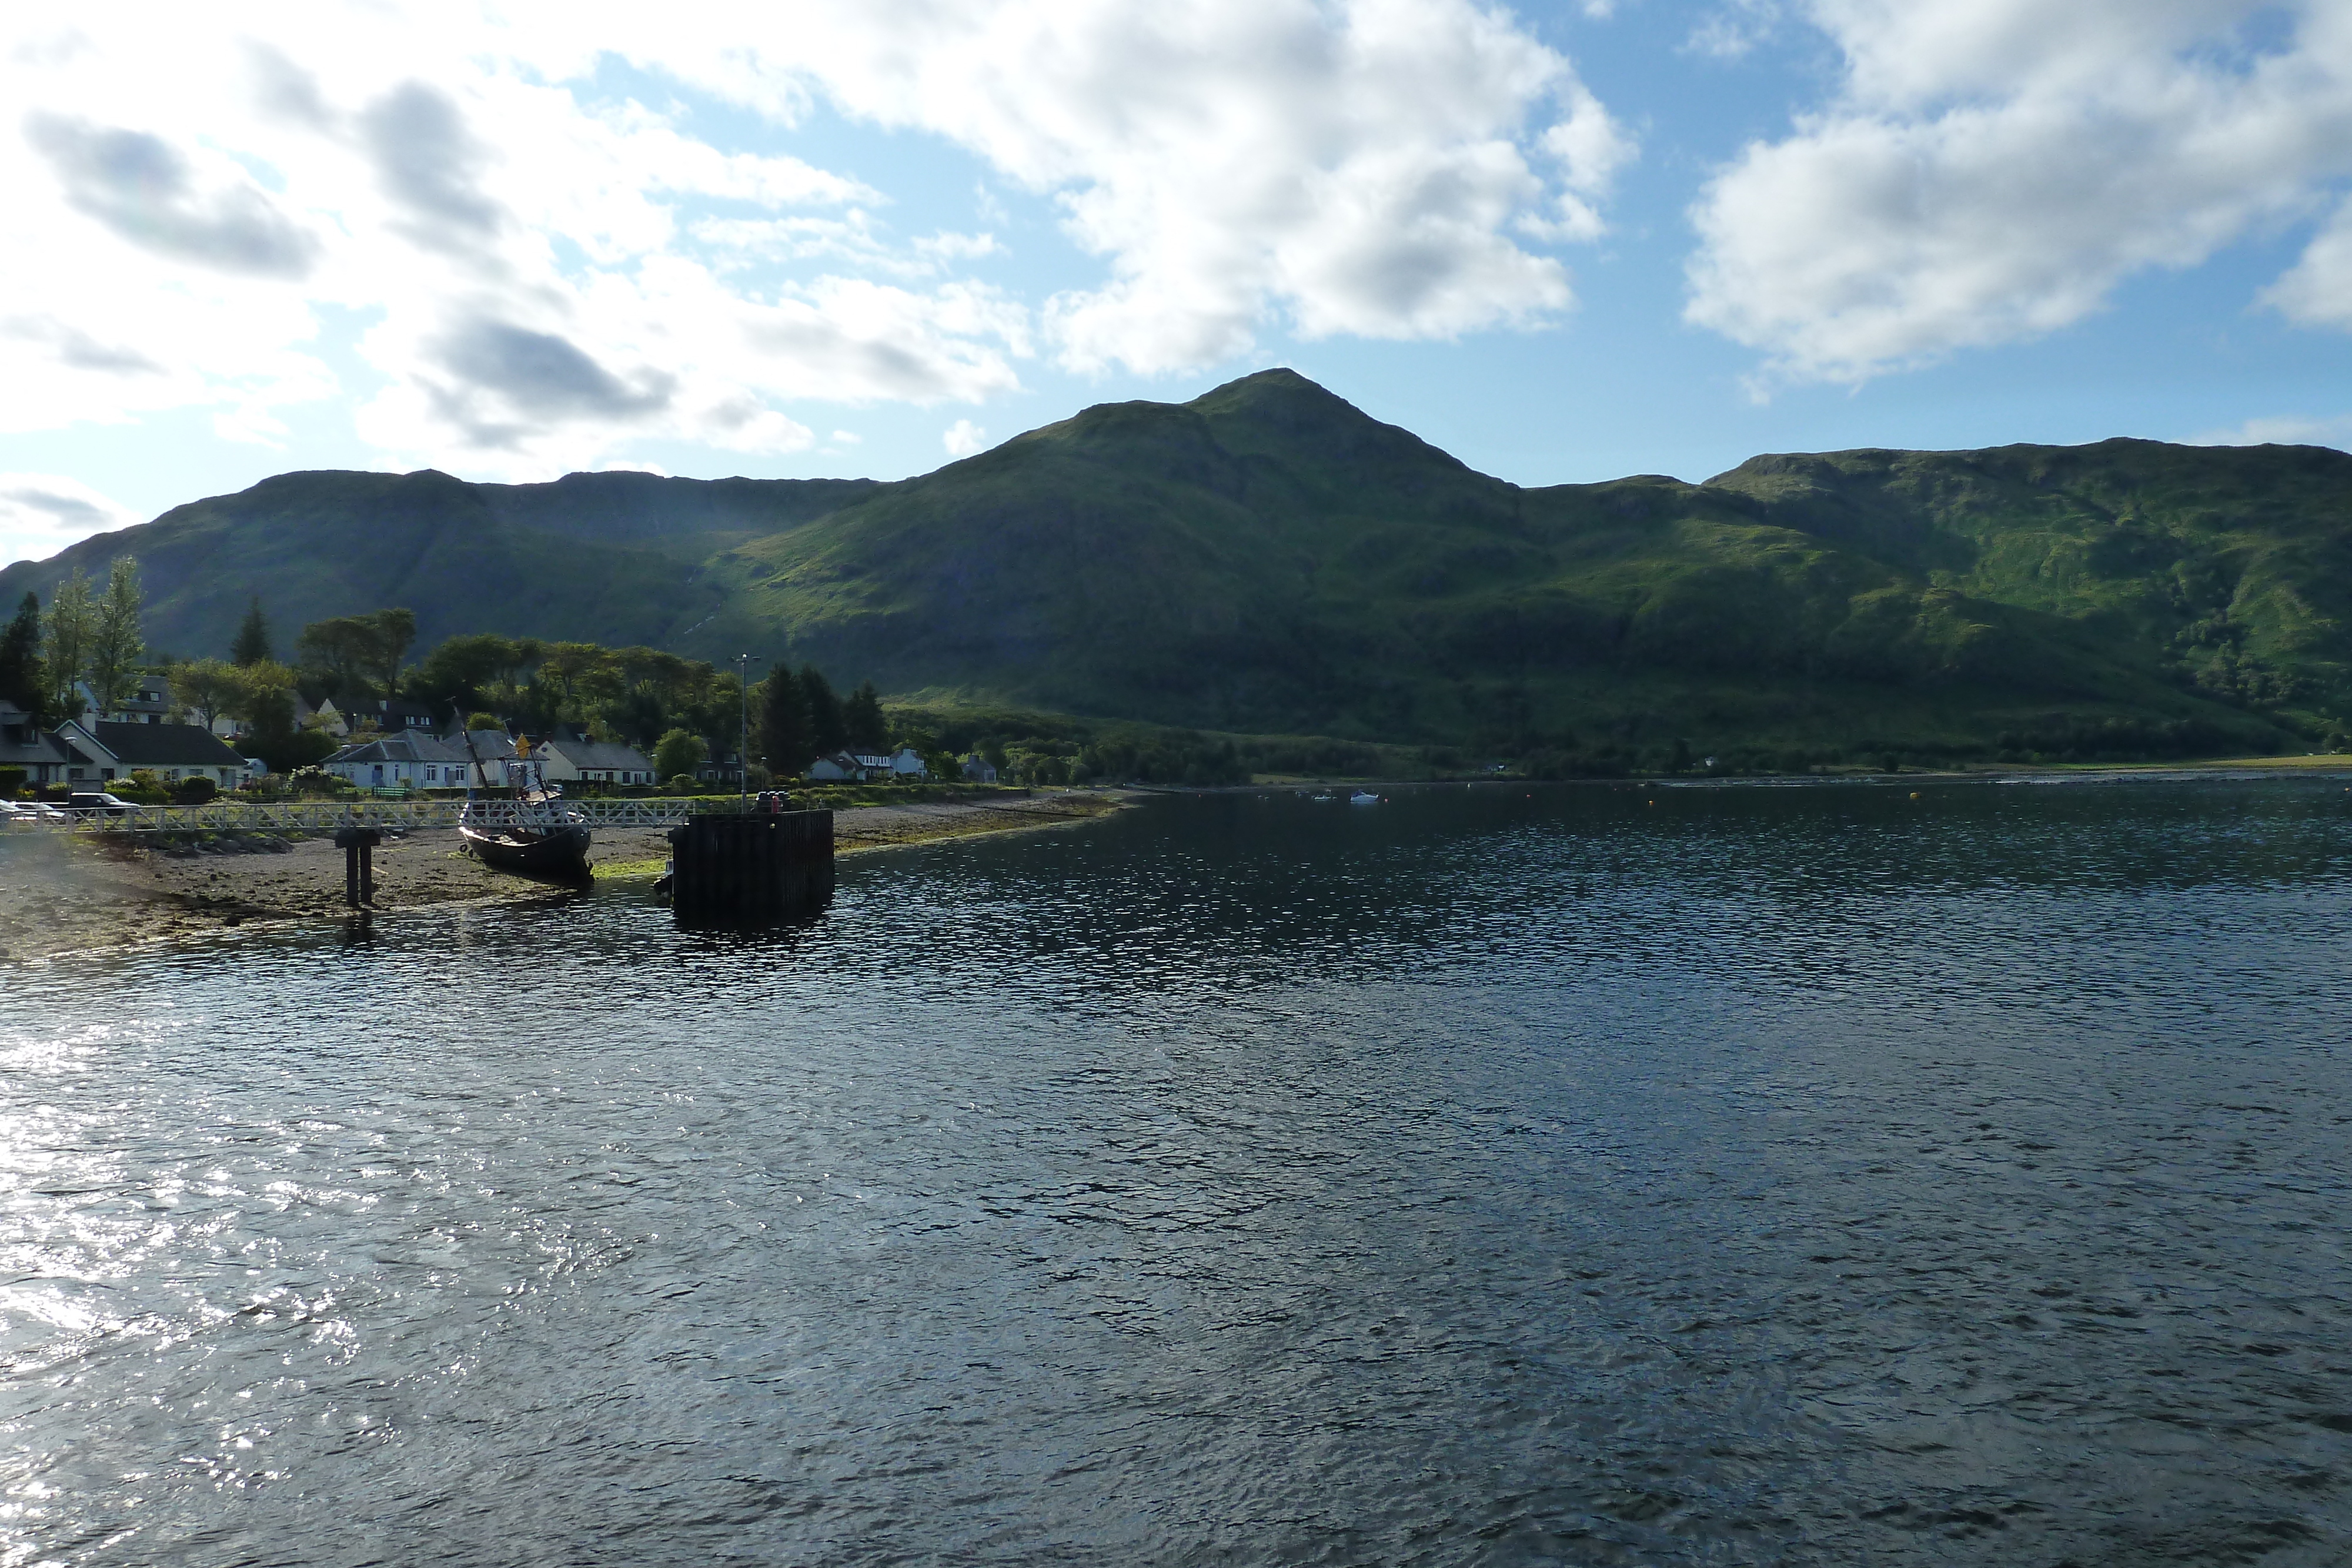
(683, 711)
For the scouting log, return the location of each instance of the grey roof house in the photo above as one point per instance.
(411, 760)
(149, 701)
(593, 762)
(22, 745)
(103, 749)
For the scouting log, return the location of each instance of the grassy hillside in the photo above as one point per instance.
(2230, 565)
(613, 558)
(1267, 560)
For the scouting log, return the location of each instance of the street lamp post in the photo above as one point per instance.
(743, 662)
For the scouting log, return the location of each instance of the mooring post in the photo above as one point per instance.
(358, 845)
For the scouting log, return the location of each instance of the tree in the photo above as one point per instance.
(475, 671)
(266, 706)
(828, 733)
(393, 633)
(341, 649)
(73, 621)
(679, 751)
(252, 644)
(209, 688)
(570, 671)
(862, 720)
(21, 680)
(477, 722)
(116, 643)
(784, 737)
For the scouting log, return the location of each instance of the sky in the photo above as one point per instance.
(1564, 241)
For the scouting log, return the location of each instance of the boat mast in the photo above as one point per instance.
(458, 714)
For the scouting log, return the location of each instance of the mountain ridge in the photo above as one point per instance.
(1267, 558)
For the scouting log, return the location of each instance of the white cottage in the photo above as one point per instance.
(593, 762)
(102, 750)
(839, 767)
(409, 760)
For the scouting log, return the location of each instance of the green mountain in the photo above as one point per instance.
(1267, 559)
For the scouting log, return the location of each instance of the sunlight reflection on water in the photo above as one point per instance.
(1491, 1176)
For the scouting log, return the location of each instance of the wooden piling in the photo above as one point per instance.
(752, 866)
(358, 845)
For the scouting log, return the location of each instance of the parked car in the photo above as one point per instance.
(83, 803)
(41, 811)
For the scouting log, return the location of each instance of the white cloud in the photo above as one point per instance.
(1992, 169)
(963, 438)
(1733, 29)
(2284, 430)
(41, 514)
(2317, 290)
(1351, 166)
(539, 273)
(188, 204)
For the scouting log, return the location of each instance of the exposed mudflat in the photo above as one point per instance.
(64, 893)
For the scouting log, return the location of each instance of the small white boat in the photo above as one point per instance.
(1363, 798)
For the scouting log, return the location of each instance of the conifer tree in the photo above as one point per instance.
(252, 644)
(22, 683)
(827, 731)
(73, 622)
(785, 738)
(861, 717)
(116, 644)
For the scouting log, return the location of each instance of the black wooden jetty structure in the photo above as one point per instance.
(358, 844)
(730, 867)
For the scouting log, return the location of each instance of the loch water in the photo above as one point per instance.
(1949, 1173)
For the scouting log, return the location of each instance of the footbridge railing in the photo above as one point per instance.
(326, 816)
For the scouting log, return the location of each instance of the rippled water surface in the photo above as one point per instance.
(1590, 1175)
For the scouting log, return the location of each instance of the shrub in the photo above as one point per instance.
(314, 781)
(677, 752)
(682, 783)
(194, 791)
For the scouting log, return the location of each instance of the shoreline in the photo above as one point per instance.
(62, 895)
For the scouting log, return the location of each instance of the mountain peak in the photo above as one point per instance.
(1280, 411)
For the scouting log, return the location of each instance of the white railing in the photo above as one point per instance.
(325, 816)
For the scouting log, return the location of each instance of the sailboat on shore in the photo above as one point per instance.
(533, 830)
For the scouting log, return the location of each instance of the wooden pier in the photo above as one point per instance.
(731, 868)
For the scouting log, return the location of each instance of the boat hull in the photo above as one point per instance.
(557, 852)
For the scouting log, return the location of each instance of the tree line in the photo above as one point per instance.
(92, 641)
(680, 710)
(801, 719)
(87, 638)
